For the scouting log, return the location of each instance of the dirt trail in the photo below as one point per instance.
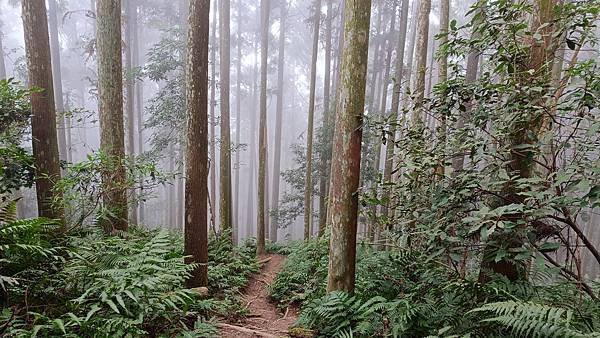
(263, 320)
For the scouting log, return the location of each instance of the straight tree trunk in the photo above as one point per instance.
(395, 109)
(110, 84)
(443, 76)
(278, 118)
(139, 96)
(388, 61)
(225, 144)
(2, 65)
(265, 7)
(458, 160)
(238, 118)
(196, 168)
(308, 185)
(421, 66)
(57, 77)
(347, 147)
(377, 48)
(213, 104)
(43, 121)
(252, 183)
(326, 117)
(130, 14)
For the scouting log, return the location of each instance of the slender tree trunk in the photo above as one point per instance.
(308, 185)
(57, 76)
(395, 109)
(43, 120)
(325, 126)
(110, 91)
(2, 65)
(421, 66)
(347, 147)
(443, 77)
(265, 7)
(225, 149)
(252, 183)
(130, 14)
(458, 160)
(139, 96)
(377, 48)
(196, 183)
(278, 117)
(238, 119)
(213, 104)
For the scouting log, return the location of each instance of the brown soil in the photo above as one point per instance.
(263, 319)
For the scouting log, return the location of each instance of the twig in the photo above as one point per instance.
(248, 331)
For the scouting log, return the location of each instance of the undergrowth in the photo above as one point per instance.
(88, 284)
(408, 294)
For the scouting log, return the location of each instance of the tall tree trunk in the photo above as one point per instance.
(196, 183)
(43, 121)
(238, 118)
(213, 105)
(421, 66)
(265, 7)
(347, 147)
(443, 77)
(525, 132)
(139, 96)
(458, 160)
(308, 185)
(325, 123)
(57, 76)
(250, 217)
(225, 149)
(395, 109)
(377, 48)
(110, 84)
(2, 65)
(130, 14)
(278, 117)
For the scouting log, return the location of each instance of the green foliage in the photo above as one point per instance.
(16, 163)
(97, 285)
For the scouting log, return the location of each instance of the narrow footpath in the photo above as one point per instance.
(263, 319)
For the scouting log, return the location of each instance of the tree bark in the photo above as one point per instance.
(325, 123)
(265, 7)
(278, 117)
(347, 147)
(196, 183)
(57, 78)
(110, 84)
(43, 121)
(213, 105)
(443, 77)
(139, 97)
(395, 109)
(238, 119)
(130, 15)
(2, 65)
(421, 66)
(225, 144)
(308, 185)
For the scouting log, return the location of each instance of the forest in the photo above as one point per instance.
(286, 168)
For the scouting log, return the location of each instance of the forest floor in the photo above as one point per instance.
(263, 318)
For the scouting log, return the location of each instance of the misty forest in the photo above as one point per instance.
(287, 168)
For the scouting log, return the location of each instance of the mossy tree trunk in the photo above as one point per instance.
(225, 208)
(43, 121)
(196, 168)
(347, 147)
(110, 90)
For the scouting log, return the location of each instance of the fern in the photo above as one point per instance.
(528, 319)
